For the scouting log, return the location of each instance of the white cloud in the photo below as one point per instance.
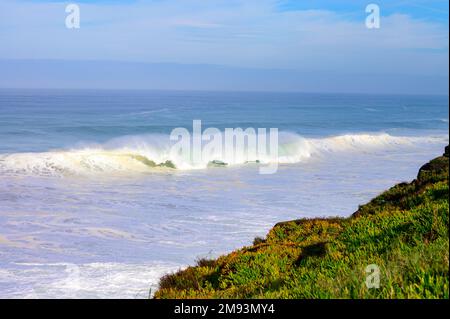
(232, 32)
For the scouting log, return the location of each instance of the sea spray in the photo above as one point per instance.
(234, 146)
(153, 153)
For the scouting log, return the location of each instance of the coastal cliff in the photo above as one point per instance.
(400, 237)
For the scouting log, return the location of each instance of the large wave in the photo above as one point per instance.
(140, 154)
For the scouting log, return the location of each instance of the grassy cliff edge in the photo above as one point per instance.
(404, 232)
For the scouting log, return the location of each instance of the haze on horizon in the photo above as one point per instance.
(237, 45)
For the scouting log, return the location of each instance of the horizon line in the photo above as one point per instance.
(219, 91)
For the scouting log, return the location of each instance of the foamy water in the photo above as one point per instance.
(144, 154)
(85, 212)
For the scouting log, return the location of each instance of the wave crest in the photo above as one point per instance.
(140, 154)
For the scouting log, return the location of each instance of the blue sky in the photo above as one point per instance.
(436, 10)
(433, 10)
(322, 36)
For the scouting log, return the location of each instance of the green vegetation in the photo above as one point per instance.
(404, 231)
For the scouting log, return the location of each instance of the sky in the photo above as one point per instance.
(283, 45)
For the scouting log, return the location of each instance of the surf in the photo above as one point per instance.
(152, 153)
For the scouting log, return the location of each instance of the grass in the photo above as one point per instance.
(403, 231)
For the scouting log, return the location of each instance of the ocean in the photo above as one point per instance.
(86, 212)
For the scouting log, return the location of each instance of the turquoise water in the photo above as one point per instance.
(81, 217)
(43, 120)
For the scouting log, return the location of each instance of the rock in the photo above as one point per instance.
(436, 166)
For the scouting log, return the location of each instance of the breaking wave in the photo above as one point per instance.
(140, 154)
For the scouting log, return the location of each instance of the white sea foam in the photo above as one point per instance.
(140, 154)
(93, 280)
